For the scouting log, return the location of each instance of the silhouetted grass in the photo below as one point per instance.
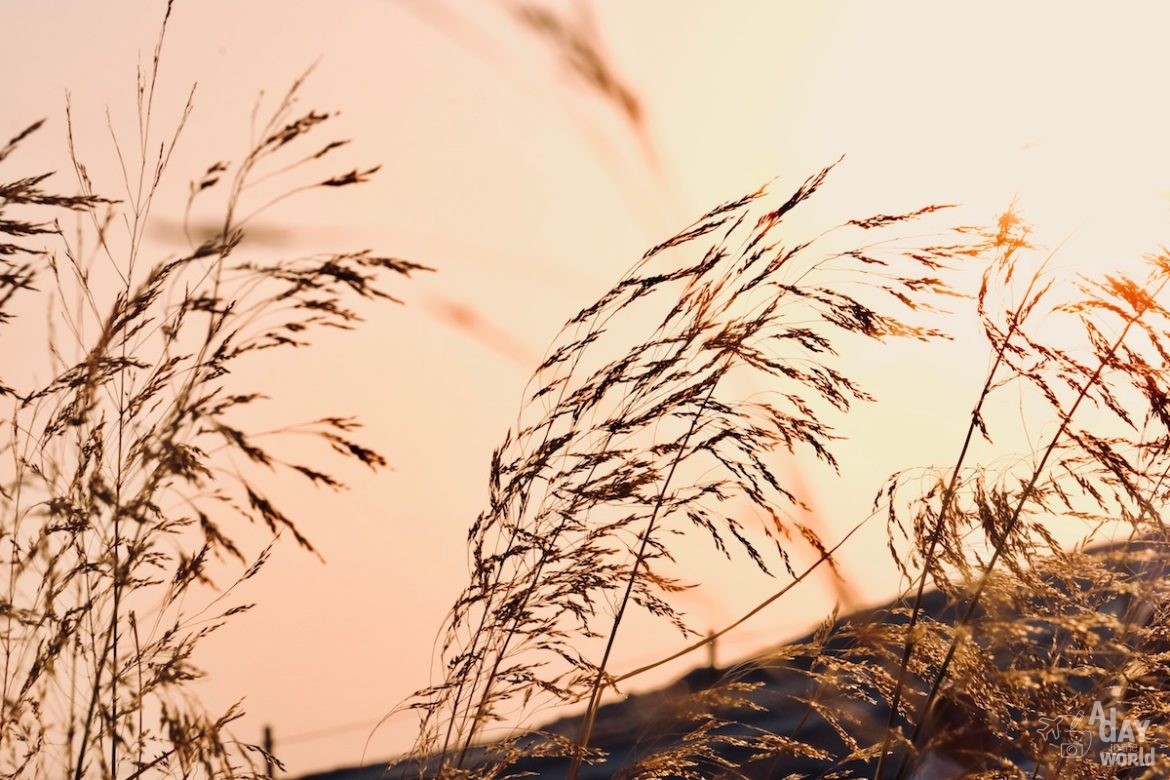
(631, 436)
(127, 476)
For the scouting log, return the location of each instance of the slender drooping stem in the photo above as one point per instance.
(1009, 527)
(944, 509)
(599, 681)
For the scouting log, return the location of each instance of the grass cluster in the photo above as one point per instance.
(624, 445)
(127, 477)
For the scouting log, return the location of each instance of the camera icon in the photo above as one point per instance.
(1076, 743)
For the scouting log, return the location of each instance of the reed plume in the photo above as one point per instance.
(130, 474)
(614, 457)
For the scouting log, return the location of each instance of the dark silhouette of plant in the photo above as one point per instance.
(127, 475)
(614, 456)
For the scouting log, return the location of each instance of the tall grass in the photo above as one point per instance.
(625, 443)
(130, 474)
(621, 448)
